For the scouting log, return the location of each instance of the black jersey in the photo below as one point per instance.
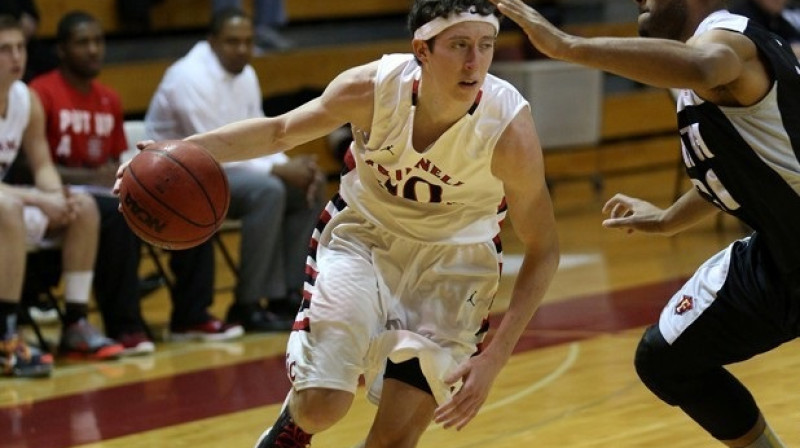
(745, 159)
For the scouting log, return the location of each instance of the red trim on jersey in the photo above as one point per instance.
(415, 96)
(311, 272)
(325, 216)
(503, 205)
(301, 325)
(414, 92)
(349, 159)
(477, 102)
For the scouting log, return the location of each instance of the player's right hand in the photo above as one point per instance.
(140, 145)
(56, 206)
(545, 36)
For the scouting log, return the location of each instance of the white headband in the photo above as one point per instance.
(439, 24)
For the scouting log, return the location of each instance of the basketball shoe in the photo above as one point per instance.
(135, 343)
(284, 434)
(255, 318)
(80, 340)
(19, 360)
(211, 330)
(43, 314)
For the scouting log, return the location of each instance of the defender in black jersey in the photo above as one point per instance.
(739, 122)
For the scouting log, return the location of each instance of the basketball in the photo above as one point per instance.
(174, 195)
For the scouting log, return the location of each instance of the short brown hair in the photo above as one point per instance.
(8, 22)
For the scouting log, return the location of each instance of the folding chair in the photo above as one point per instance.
(228, 226)
(42, 274)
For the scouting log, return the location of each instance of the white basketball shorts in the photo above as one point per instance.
(36, 223)
(378, 295)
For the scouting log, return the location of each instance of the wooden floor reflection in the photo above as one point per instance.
(570, 383)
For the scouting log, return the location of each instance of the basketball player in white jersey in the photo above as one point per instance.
(29, 214)
(406, 260)
(739, 122)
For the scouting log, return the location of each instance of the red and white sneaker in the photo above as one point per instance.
(284, 434)
(208, 331)
(136, 343)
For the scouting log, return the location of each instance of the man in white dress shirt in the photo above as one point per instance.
(276, 198)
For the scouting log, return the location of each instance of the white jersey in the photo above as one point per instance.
(445, 193)
(13, 124)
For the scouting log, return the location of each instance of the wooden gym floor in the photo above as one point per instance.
(570, 384)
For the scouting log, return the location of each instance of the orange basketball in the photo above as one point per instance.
(174, 195)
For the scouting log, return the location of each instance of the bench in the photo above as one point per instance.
(177, 15)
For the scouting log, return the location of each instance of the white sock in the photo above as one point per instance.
(78, 286)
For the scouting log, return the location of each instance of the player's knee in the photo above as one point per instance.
(654, 366)
(270, 189)
(88, 214)
(11, 214)
(265, 200)
(318, 409)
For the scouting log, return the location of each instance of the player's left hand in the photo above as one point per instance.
(55, 204)
(120, 171)
(629, 214)
(478, 374)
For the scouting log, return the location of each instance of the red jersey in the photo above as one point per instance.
(83, 129)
